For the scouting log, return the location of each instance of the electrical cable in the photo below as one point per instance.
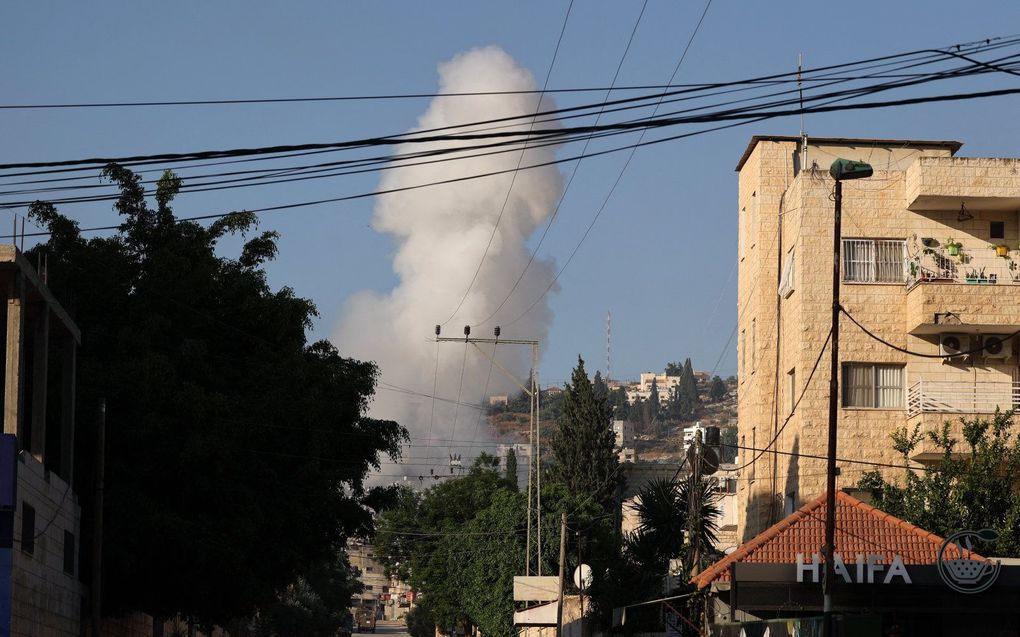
(904, 350)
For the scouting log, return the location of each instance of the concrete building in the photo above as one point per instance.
(624, 432)
(40, 592)
(643, 388)
(919, 269)
(388, 597)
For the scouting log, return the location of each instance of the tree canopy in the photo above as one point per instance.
(973, 486)
(236, 450)
(583, 449)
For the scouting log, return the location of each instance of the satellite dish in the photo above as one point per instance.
(709, 459)
(582, 577)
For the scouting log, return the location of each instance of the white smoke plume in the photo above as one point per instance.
(441, 233)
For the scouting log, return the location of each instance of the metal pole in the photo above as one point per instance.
(563, 561)
(831, 470)
(538, 448)
(97, 520)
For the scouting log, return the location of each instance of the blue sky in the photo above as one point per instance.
(660, 257)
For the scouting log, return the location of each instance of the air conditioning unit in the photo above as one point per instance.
(996, 346)
(953, 344)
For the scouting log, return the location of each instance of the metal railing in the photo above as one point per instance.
(958, 397)
(973, 266)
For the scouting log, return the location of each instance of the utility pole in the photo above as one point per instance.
(840, 170)
(534, 432)
(97, 520)
(563, 562)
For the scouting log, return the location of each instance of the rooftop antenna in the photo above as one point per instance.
(609, 345)
(803, 133)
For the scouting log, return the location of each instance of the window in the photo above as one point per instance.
(786, 281)
(997, 230)
(789, 502)
(874, 260)
(368, 569)
(369, 587)
(27, 528)
(791, 390)
(69, 552)
(867, 385)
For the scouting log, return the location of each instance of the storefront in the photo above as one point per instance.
(891, 578)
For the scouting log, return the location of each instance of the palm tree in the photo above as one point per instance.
(666, 522)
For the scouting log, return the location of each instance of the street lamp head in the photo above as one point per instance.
(844, 169)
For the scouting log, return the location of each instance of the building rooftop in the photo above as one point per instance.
(953, 146)
(860, 529)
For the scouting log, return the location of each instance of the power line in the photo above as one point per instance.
(904, 350)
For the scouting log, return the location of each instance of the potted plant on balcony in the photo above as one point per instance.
(1001, 250)
(953, 247)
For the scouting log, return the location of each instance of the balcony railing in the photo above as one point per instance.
(953, 397)
(973, 266)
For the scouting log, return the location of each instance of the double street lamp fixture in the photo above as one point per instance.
(841, 170)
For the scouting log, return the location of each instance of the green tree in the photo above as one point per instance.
(674, 369)
(973, 486)
(224, 425)
(665, 524)
(315, 605)
(584, 459)
(653, 401)
(690, 384)
(459, 543)
(619, 404)
(510, 467)
(718, 390)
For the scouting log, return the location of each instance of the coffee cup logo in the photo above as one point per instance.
(963, 574)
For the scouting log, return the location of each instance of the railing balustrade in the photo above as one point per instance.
(960, 397)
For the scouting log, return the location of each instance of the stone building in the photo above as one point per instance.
(929, 264)
(40, 516)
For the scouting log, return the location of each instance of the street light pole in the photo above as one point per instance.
(840, 170)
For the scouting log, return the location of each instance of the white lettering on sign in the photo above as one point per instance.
(807, 568)
(868, 570)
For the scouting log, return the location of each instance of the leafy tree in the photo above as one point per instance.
(665, 524)
(653, 401)
(315, 605)
(972, 487)
(690, 384)
(674, 369)
(224, 425)
(510, 467)
(718, 390)
(420, 622)
(619, 404)
(584, 458)
(459, 543)
(599, 387)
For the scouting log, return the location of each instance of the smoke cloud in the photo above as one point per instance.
(440, 234)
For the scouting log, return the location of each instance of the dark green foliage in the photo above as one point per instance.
(618, 403)
(459, 543)
(236, 451)
(665, 521)
(974, 486)
(313, 606)
(653, 401)
(674, 369)
(584, 458)
(718, 390)
(420, 622)
(510, 467)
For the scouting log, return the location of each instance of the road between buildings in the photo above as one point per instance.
(396, 628)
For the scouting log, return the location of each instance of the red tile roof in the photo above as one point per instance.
(860, 529)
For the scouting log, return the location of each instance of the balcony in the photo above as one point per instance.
(971, 266)
(960, 397)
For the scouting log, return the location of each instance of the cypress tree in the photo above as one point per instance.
(583, 448)
(510, 467)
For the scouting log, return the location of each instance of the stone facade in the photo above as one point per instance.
(784, 305)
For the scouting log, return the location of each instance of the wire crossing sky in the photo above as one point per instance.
(673, 213)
